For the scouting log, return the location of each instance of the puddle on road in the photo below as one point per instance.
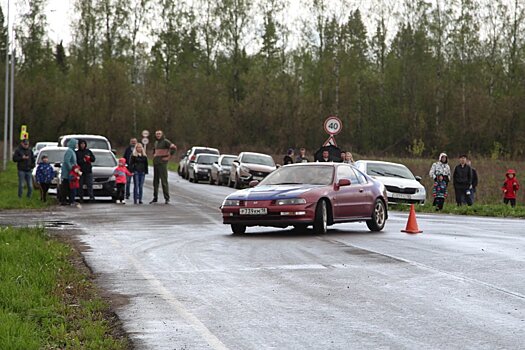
(57, 224)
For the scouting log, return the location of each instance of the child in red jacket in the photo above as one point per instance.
(120, 178)
(510, 187)
(74, 182)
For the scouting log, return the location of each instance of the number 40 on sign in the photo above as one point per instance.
(333, 125)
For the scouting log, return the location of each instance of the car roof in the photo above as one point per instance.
(207, 154)
(203, 147)
(380, 162)
(84, 136)
(229, 155)
(53, 148)
(255, 153)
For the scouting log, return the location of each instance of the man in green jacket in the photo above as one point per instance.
(162, 151)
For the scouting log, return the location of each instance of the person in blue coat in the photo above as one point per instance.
(44, 175)
(70, 159)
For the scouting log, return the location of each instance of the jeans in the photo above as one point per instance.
(138, 184)
(44, 187)
(128, 185)
(86, 179)
(72, 195)
(25, 176)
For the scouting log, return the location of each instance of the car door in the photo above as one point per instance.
(367, 198)
(348, 199)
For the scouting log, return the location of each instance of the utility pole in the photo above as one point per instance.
(6, 115)
(12, 105)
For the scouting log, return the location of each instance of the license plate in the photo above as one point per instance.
(253, 211)
(401, 195)
(97, 187)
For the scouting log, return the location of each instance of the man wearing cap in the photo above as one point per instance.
(462, 181)
(162, 151)
(25, 160)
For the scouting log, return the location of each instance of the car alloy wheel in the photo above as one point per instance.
(321, 218)
(378, 217)
(238, 229)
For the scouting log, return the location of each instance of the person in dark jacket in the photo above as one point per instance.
(44, 176)
(25, 162)
(288, 158)
(474, 187)
(462, 181)
(127, 155)
(85, 159)
(301, 158)
(138, 165)
(70, 160)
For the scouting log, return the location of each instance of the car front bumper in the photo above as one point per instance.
(277, 216)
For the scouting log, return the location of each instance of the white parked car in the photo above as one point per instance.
(55, 156)
(39, 145)
(401, 185)
(93, 141)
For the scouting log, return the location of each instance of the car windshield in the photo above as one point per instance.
(227, 160)
(258, 159)
(389, 170)
(312, 175)
(41, 145)
(207, 159)
(104, 159)
(54, 156)
(93, 143)
(205, 150)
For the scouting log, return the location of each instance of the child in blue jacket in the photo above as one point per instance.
(439, 192)
(44, 175)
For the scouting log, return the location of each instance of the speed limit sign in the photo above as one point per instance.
(333, 125)
(145, 141)
(145, 133)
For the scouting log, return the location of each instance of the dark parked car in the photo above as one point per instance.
(191, 154)
(103, 178)
(318, 194)
(220, 170)
(250, 166)
(200, 169)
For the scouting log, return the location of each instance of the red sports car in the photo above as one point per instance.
(318, 194)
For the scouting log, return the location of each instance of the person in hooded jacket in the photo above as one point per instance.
(85, 158)
(441, 167)
(70, 159)
(510, 187)
(25, 162)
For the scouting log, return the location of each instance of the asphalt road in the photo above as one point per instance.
(192, 285)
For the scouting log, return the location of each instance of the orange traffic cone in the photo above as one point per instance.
(412, 223)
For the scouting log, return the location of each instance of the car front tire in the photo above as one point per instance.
(321, 218)
(377, 223)
(238, 229)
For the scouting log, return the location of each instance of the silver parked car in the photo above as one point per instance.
(189, 158)
(55, 156)
(220, 170)
(401, 185)
(200, 169)
(250, 166)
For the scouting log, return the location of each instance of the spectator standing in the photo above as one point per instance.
(44, 175)
(349, 159)
(162, 150)
(301, 158)
(74, 183)
(288, 158)
(25, 161)
(462, 181)
(439, 191)
(121, 175)
(441, 167)
(325, 157)
(342, 157)
(474, 186)
(70, 159)
(127, 155)
(510, 187)
(138, 165)
(85, 158)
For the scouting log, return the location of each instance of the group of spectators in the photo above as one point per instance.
(344, 157)
(465, 181)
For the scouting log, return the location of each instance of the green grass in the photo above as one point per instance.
(9, 192)
(173, 166)
(495, 210)
(45, 303)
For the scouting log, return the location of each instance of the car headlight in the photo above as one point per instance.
(231, 203)
(291, 201)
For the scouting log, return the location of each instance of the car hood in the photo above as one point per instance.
(102, 171)
(398, 182)
(272, 192)
(259, 167)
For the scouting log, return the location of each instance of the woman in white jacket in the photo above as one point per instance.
(441, 167)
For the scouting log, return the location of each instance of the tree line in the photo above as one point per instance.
(405, 77)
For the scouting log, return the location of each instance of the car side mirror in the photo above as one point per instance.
(58, 165)
(236, 162)
(253, 183)
(343, 182)
(418, 178)
(277, 166)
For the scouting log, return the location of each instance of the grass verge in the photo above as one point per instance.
(494, 210)
(173, 166)
(9, 192)
(45, 302)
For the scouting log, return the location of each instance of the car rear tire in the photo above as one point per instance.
(321, 218)
(378, 217)
(238, 229)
